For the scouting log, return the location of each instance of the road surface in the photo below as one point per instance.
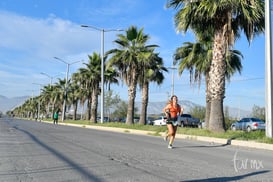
(35, 151)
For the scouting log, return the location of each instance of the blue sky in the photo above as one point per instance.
(34, 31)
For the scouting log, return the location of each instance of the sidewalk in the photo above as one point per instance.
(241, 143)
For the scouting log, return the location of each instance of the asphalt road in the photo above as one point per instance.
(43, 152)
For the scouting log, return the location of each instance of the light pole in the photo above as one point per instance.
(65, 87)
(268, 72)
(102, 63)
(172, 68)
(50, 77)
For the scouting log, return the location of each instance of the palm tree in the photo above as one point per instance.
(127, 60)
(86, 92)
(91, 79)
(74, 96)
(82, 91)
(47, 94)
(196, 57)
(152, 72)
(226, 19)
(29, 108)
(58, 95)
(111, 76)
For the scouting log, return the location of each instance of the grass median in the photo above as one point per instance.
(257, 136)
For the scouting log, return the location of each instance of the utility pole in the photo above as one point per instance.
(66, 82)
(102, 31)
(172, 86)
(268, 70)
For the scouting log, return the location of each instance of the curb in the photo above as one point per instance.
(241, 143)
(249, 144)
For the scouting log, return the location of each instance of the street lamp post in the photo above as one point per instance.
(50, 77)
(268, 72)
(102, 63)
(172, 68)
(65, 87)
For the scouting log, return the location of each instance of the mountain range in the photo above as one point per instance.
(7, 104)
(156, 108)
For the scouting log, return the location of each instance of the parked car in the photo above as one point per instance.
(248, 124)
(202, 124)
(105, 119)
(188, 120)
(149, 121)
(136, 120)
(160, 121)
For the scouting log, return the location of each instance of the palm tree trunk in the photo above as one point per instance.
(208, 111)
(89, 108)
(145, 99)
(208, 103)
(53, 108)
(216, 86)
(94, 105)
(75, 106)
(131, 101)
(82, 104)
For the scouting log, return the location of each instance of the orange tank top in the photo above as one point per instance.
(174, 110)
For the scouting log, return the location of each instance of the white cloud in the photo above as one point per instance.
(43, 37)
(28, 46)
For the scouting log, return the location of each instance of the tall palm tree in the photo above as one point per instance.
(58, 92)
(74, 97)
(152, 71)
(226, 19)
(85, 90)
(196, 57)
(127, 60)
(111, 76)
(82, 91)
(47, 94)
(29, 107)
(92, 77)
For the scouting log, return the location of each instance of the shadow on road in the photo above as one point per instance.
(212, 145)
(228, 179)
(74, 165)
(204, 146)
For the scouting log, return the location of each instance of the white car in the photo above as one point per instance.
(160, 121)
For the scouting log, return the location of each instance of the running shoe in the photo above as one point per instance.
(170, 146)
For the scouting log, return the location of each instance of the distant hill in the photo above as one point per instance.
(7, 104)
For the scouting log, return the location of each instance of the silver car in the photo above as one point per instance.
(248, 124)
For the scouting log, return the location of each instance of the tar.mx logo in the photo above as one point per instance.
(246, 163)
